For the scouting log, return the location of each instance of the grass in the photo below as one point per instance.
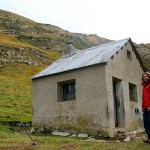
(15, 91)
(15, 82)
(12, 138)
(10, 40)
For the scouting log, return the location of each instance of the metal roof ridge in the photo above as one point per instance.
(101, 45)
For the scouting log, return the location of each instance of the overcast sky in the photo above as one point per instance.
(111, 19)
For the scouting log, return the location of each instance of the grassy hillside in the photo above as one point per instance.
(15, 91)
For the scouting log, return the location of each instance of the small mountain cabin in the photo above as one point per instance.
(91, 89)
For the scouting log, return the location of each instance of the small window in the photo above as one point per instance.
(133, 92)
(66, 90)
(129, 55)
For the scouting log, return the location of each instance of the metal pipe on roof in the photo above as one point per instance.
(70, 48)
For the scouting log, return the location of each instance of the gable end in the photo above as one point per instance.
(137, 55)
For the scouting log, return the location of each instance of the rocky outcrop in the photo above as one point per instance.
(144, 52)
(13, 54)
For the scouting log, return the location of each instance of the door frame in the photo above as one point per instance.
(119, 115)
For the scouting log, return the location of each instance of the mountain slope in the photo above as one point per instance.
(26, 37)
(144, 52)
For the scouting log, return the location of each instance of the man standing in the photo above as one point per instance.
(146, 104)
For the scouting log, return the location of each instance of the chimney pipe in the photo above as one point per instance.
(70, 48)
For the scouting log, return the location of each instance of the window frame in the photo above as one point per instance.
(133, 96)
(66, 90)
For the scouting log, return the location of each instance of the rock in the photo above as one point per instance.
(40, 130)
(32, 130)
(117, 141)
(19, 124)
(101, 141)
(73, 135)
(127, 139)
(60, 133)
(122, 136)
(28, 124)
(137, 139)
(83, 135)
(89, 140)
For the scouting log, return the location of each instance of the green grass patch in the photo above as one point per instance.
(10, 40)
(15, 91)
(12, 138)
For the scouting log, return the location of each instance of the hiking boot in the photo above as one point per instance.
(145, 138)
(148, 141)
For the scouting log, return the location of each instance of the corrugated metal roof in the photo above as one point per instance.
(83, 58)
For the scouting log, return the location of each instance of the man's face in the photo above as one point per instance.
(145, 77)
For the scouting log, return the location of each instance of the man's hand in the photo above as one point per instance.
(148, 109)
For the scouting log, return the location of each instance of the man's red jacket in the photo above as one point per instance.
(146, 95)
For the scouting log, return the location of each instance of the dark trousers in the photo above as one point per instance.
(146, 121)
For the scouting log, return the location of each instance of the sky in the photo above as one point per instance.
(111, 19)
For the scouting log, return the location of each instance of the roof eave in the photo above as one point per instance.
(33, 78)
